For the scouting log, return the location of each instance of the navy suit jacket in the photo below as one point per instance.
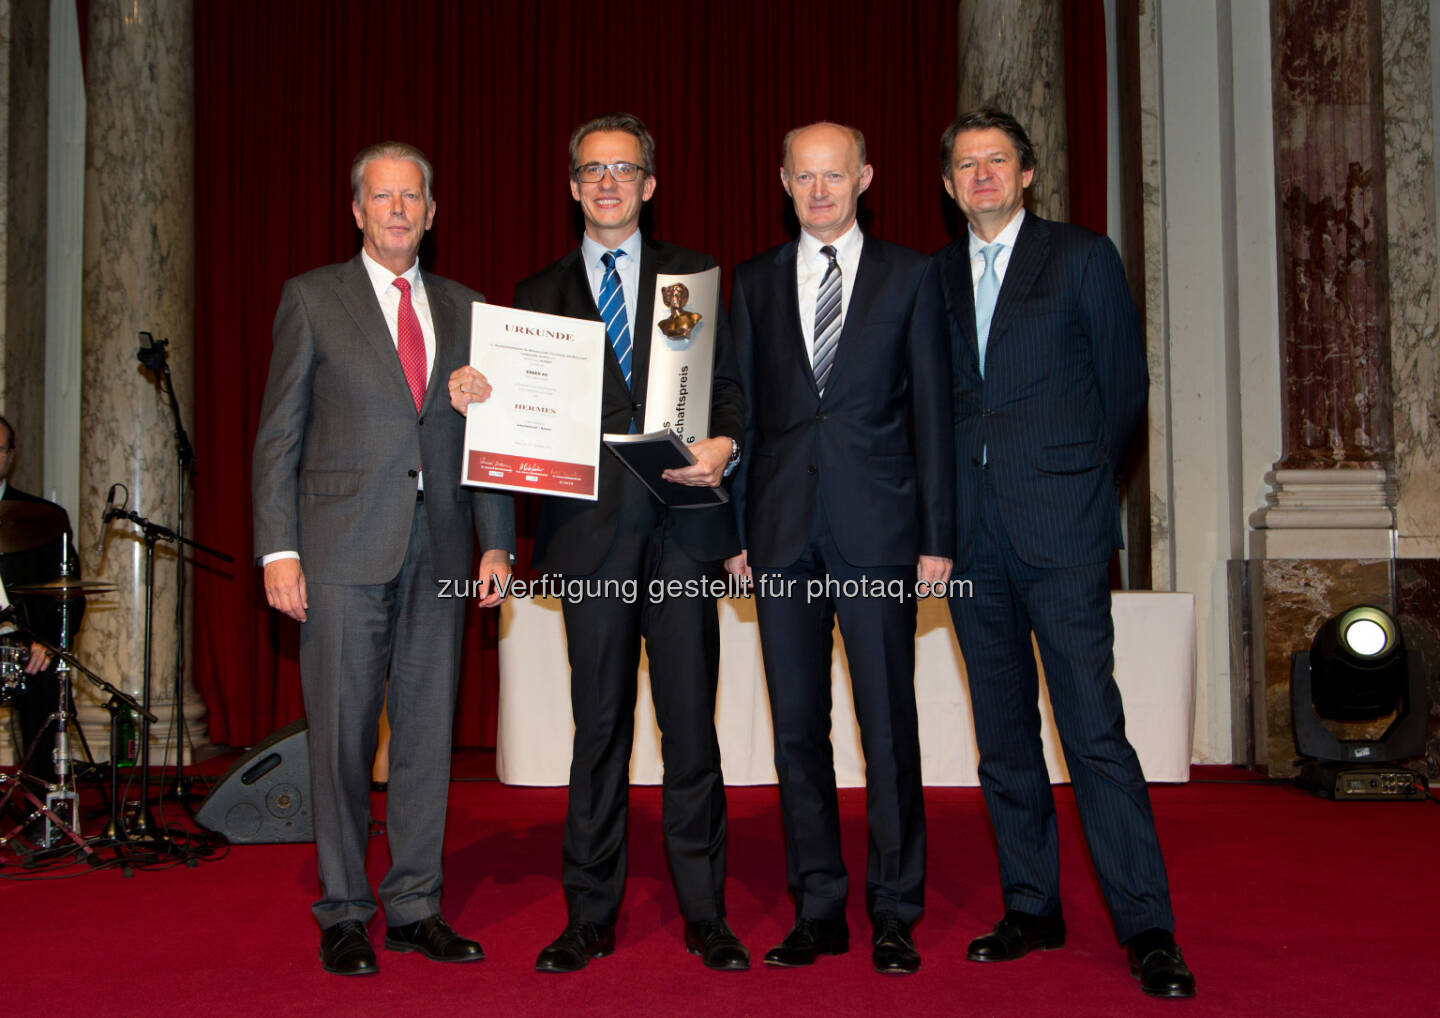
(572, 535)
(1064, 389)
(877, 449)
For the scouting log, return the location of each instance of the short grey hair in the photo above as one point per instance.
(388, 150)
(854, 132)
(627, 122)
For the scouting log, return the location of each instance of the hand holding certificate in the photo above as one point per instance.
(540, 432)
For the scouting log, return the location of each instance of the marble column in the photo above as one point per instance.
(1407, 58)
(1012, 56)
(1408, 61)
(1355, 186)
(139, 275)
(1332, 491)
(24, 35)
(24, 31)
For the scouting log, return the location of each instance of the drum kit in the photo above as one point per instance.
(44, 816)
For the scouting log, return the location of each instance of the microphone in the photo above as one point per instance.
(111, 510)
(152, 352)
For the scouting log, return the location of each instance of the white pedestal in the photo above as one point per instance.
(1154, 667)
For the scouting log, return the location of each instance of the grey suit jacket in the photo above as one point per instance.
(339, 440)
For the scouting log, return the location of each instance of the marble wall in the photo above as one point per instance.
(1012, 56)
(1162, 561)
(1414, 311)
(1290, 599)
(139, 275)
(1417, 588)
(1286, 601)
(1330, 171)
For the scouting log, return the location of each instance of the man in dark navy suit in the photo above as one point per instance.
(847, 496)
(1050, 385)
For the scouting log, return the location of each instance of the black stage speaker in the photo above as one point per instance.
(265, 797)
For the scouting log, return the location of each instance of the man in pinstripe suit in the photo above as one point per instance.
(1050, 385)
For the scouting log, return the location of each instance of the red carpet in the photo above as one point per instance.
(1287, 905)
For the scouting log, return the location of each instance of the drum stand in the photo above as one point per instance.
(61, 806)
(64, 822)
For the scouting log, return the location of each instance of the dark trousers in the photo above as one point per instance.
(797, 616)
(1069, 612)
(355, 638)
(604, 627)
(36, 709)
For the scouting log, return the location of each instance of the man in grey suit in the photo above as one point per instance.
(359, 514)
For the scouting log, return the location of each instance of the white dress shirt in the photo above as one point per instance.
(1002, 258)
(628, 269)
(810, 266)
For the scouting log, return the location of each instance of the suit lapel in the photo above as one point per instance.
(959, 290)
(862, 295)
(358, 297)
(442, 318)
(643, 325)
(1032, 246)
(792, 330)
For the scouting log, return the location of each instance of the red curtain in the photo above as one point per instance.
(1086, 112)
(286, 93)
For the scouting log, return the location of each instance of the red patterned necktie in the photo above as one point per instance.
(411, 343)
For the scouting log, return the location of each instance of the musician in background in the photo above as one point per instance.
(35, 708)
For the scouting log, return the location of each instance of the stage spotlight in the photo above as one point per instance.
(1357, 669)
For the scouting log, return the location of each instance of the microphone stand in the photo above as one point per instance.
(144, 825)
(152, 355)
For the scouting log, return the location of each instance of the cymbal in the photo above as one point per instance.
(26, 525)
(66, 586)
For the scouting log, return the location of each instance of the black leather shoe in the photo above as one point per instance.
(716, 945)
(573, 949)
(895, 953)
(808, 940)
(1017, 935)
(345, 950)
(432, 937)
(1155, 959)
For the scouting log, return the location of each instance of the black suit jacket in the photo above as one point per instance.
(876, 449)
(573, 535)
(40, 565)
(1064, 389)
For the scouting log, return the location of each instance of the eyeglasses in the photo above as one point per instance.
(621, 173)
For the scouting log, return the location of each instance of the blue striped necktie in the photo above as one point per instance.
(986, 291)
(827, 320)
(612, 309)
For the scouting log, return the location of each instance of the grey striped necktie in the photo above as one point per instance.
(827, 320)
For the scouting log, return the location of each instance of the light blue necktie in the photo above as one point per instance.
(612, 309)
(985, 293)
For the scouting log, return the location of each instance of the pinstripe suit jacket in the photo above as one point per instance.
(1064, 389)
